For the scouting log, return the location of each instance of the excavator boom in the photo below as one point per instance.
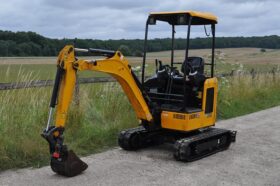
(117, 66)
(114, 64)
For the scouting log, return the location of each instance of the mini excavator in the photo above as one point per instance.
(176, 105)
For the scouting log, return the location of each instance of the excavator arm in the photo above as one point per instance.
(65, 162)
(117, 66)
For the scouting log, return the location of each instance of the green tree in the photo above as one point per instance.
(25, 49)
(125, 50)
(138, 53)
(4, 48)
(33, 44)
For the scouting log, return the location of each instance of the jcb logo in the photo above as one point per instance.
(179, 116)
(193, 116)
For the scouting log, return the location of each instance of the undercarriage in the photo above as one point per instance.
(187, 146)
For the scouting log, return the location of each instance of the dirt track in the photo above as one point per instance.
(253, 160)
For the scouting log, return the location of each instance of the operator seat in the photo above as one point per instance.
(196, 63)
(195, 70)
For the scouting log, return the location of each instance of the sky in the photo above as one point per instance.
(125, 19)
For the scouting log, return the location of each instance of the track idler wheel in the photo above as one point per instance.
(130, 141)
(137, 138)
(70, 165)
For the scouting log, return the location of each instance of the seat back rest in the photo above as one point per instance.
(197, 64)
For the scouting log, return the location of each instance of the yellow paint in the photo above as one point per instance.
(65, 60)
(117, 66)
(203, 15)
(192, 121)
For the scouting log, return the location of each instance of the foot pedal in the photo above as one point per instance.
(69, 166)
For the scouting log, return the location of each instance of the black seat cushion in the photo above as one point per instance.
(194, 64)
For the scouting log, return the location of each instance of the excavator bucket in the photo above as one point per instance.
(63, 161)
(71, 165)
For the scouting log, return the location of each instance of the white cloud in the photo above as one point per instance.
(116, 19)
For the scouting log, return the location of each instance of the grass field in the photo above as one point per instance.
(104, 110)
(14, 68)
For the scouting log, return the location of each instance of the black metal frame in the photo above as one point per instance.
(186, 52)
(213, 49)
(186, 58)
(172, 45)
(145, 51)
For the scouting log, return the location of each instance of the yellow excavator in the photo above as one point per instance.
(176, 105)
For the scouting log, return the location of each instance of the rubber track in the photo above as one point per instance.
(183, 147)
(125, 137)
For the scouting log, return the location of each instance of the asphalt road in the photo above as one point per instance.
(253, 160)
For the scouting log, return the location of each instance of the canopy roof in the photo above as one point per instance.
(198, 18)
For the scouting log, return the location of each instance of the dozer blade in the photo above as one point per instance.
(69, 166)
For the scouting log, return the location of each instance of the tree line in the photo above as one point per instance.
(33, 44)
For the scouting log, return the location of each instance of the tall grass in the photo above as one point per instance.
(244, 94)
(92, 125)
(103, 110)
